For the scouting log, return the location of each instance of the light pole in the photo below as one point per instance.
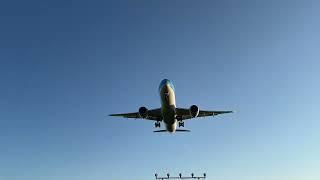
(180, 177)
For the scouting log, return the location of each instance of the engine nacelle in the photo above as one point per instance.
(143, 112)
(194, 110)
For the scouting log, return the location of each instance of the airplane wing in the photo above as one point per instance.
(185, 114)
(153, 114)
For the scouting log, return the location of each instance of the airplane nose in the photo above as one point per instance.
(166, 87)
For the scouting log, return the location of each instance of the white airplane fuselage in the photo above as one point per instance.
(168, 105)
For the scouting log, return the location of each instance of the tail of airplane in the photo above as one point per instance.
(177, 130)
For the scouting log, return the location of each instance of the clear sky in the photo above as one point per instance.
(66, 65)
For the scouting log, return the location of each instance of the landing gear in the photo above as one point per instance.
(181, 124)
(157, 124)
(179, 119)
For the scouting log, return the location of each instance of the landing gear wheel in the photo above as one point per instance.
(181, 124)
(157, 124)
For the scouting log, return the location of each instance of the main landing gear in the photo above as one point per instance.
(181, 124)
(157, 124)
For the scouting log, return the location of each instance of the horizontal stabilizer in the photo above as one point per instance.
(161, 130)
(182, 130)
(177, 130)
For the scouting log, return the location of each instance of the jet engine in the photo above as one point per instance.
(143, 112)
(194, 111)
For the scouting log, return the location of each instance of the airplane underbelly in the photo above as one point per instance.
(168, 108)
(168, 114)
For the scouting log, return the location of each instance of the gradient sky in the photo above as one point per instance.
(66, 65)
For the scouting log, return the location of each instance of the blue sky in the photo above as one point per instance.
(66, 65)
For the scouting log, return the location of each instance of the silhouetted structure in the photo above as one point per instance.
(180, 177)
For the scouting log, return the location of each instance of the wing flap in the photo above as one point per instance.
(185, 113)
(153, 114)
(127, 115)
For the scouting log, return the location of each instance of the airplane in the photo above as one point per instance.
(171, 115)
